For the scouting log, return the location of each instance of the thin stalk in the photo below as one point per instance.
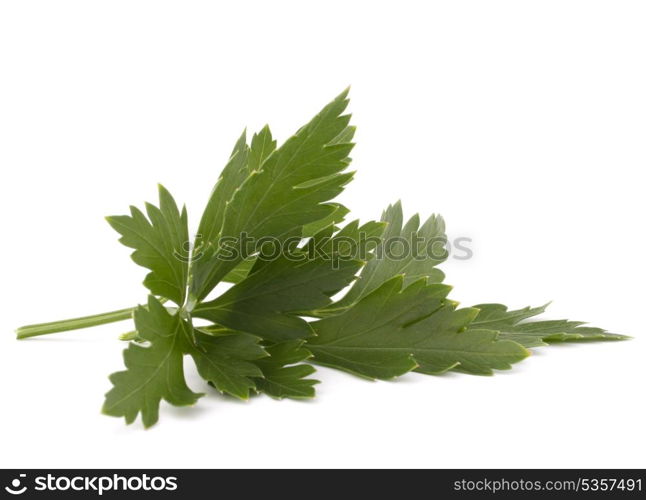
(73, 324)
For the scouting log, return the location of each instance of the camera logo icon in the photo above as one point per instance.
(15, 488)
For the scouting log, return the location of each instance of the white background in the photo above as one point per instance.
(523, 123)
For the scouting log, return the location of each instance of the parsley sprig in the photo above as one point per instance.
(279, 316)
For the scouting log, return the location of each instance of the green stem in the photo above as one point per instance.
(74, 324)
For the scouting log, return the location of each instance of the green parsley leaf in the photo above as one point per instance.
(408, 249)
(286, 192)
(396, 329)
(233, 175)
(512, 325)
(226, 360)
(153, 372)
(242, 162)
(284, 376)
(159, 242)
